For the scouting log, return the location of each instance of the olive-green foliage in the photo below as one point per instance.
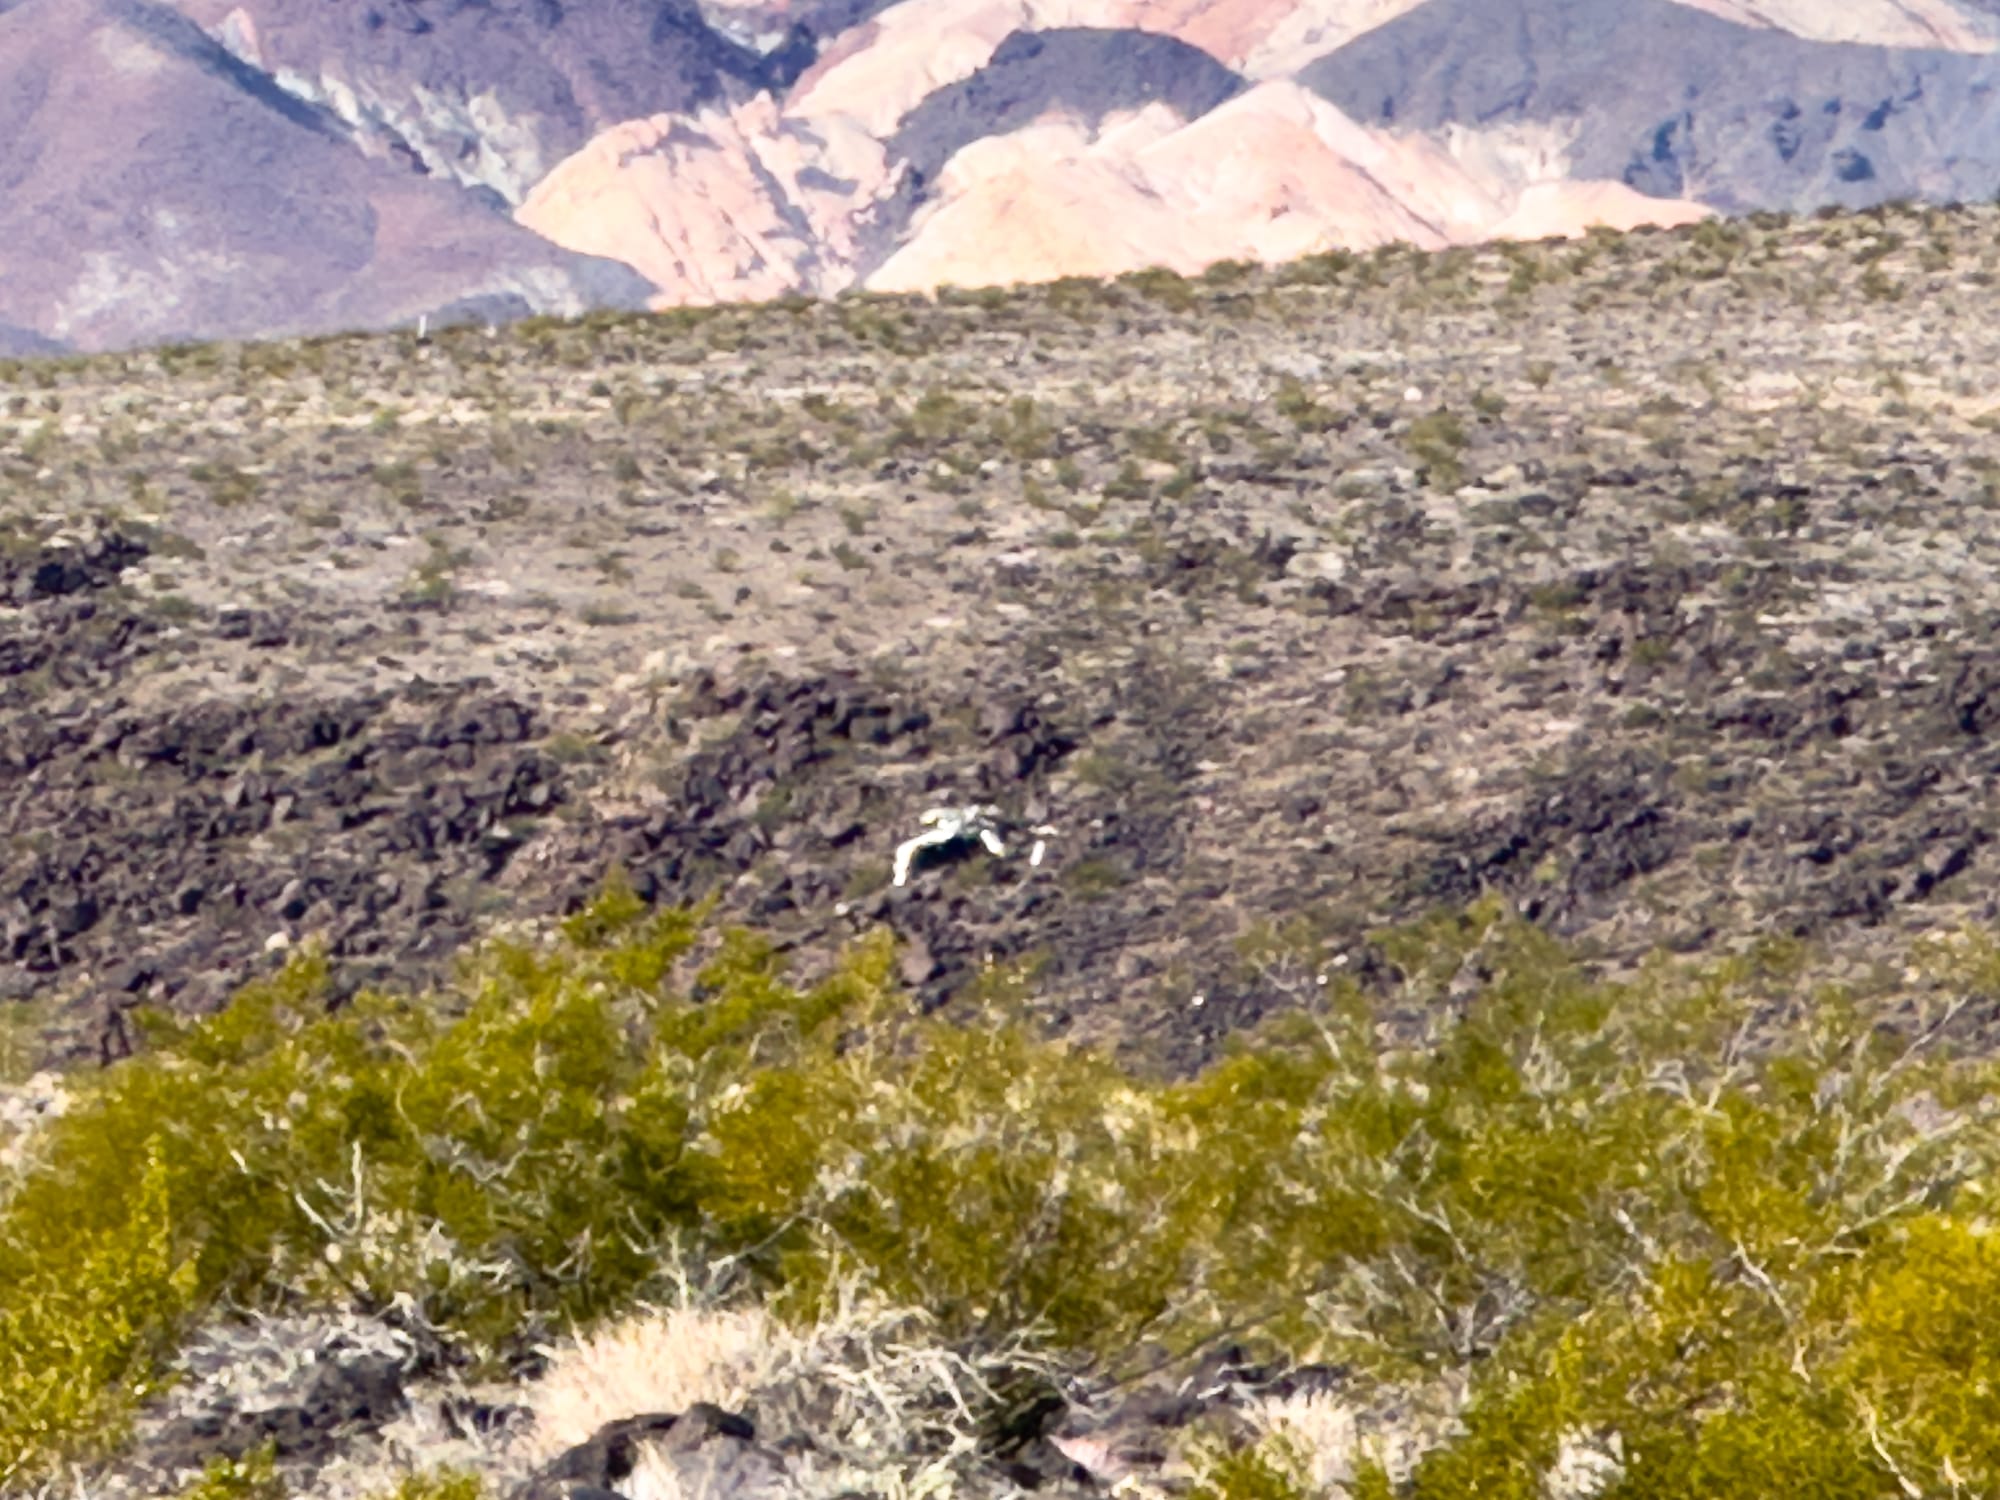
(444, 1484)
(1299, 407)
(86, 1307)
(1168, 288)
(251, 1477)
(1258, 1472)
(1721, 1217)
(1276, 1468)
(473, 1164)
(1438, 441)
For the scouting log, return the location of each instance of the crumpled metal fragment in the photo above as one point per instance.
(950, 825)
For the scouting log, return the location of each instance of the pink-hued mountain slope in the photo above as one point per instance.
(720, 205)
(809, 194)
(752, 203)
(1270, 176)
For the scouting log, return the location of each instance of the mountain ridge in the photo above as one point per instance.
(661, 154)
(1743, 118)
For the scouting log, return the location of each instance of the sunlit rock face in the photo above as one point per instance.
(719, 205)
(1028, 139)
(755, 203)
(1272, 175)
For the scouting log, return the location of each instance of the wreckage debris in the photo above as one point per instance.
(977, 823)
(945, 826)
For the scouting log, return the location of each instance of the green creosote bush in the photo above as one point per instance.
(1158, 284)
(1261, 1471)
(1297, 405)
(1719, 1217)
(1275, 1469)
(254, 1476)
(441, 1485)
(1438, 442)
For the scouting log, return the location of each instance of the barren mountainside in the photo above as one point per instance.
(190, 168)
(156, 187)
(1680, 103)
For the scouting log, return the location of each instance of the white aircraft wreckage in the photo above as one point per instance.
(973, 824)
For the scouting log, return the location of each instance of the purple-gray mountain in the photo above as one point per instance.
(185, 169)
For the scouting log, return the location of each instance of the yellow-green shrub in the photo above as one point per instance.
(251, 1477)
(1721, 1216)
(443, 1484)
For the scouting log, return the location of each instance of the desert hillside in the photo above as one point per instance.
(1469, 971)
(1357, 586)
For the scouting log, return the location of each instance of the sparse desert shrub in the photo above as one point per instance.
(1163, 286)
(1324, 269)
(227, 485)
(1297, 405)
(1878, 286)
(1023, 431)
(1261, 1472)
(1438, 441)
(443, 1485)
(252, 1477)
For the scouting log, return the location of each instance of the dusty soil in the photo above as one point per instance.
(1648, 581)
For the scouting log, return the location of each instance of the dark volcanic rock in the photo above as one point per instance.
(334, 1396)
(714, 1451)
(1092, 72)
(190, 843)
(50, 570)
(1693, 651)
(1677, 102)
(810, 755)
(16, 342)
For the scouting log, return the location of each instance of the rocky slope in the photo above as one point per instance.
(158, 188)
(488, 96)
(359, 163)
(1299, 601)
(1677, 102)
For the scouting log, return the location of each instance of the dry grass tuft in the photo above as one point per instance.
(658, 1360)
(1327, 1440)
(1320, 1431)
(886, 1406)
